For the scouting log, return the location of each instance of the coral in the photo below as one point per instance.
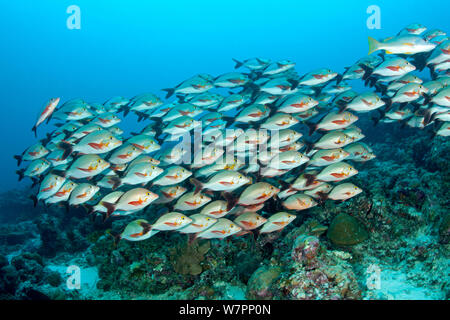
(316, 273)
(346, 230)
(260, 285)
(186, 259)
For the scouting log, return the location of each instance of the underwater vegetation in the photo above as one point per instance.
(261, 209)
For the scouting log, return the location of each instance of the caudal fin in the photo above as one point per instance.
(230, 199)
(67, 147)
(110, 208)
(170, 92)
(35, 200)
(34, 129)
(20, 173)
(197, 184)
(238, 63)
(19, 159)
(310, 178)
(373, 45)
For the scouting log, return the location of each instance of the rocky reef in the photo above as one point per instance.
(390, 242)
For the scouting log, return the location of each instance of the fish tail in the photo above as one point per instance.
(170, 92)
(339, 78)
(89, 208)
(312, 127)
(117, 182)
(35, 200)
(238, 63)
(116, 236)
(230, 199)
(147, 227)
(125, 109)
(376, 120)
(367, 71)
(374, 45)
(34, 129)
(322, 197)
(110, 208)
(388, 103)
(197, 184)
(19, 159)
(21, 174)
(309, 179)
(67, 147)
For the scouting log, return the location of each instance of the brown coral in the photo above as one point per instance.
(186, 259)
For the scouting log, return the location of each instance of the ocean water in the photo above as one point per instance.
(129, 48)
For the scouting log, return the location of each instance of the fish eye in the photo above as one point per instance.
(182, 218)
(148, 193)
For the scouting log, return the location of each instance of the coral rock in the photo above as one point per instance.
(346, 230)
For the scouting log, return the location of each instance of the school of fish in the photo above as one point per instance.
(225, 155)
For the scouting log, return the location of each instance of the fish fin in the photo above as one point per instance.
(110, 208)
(21, 174)
(230, 199)
(375, 120)
(197, 184)
(60, 173)
(147, 227)
(19, 159)
(312, 127)
(322, 196)
(342, 107)
(309, 179)
(89, 208)
(35, 200)
(34, 129)
(373, 45)
(116, 236)
(427, 99)
(169, 91)
(367, 71)
(388, 103)
(238, 63)
(67, 147)
(294, 83)
(309, 145)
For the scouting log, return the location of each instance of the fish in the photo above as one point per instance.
(225, 180)
(196, 84)
(171, 221)
(333, 173)
(46, 113)
(199, 223)
(169, 193)
(138, 230)
(343, 191)
(63, 193)
(82, 193)
(277, 222)
(216, 209)
(326, 157)
(191, 201)
(250, 221)
(35, 169)
(86, 166)
(403, 44)
(172, 175)
(34, 152)
(133, 200)
(221, 229)
(298, 202)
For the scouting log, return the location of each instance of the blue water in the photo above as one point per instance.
(130, 47)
